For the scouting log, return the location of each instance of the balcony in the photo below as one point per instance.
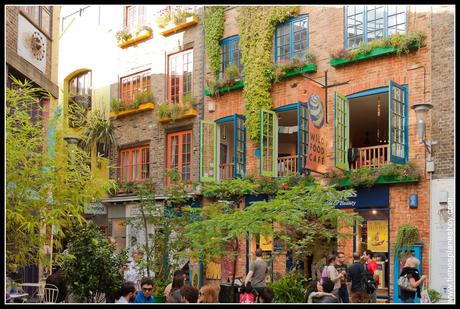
(286, 166)
(226, 170)
(372, 157)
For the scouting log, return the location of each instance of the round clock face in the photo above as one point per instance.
(38, 45)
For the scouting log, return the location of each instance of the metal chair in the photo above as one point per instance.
(51, 293)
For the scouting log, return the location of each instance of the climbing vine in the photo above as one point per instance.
(213, 30)
(257, 26)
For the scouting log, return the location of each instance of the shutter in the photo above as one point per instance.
(239, 146)
(302, 137)
(398, 144)
(341, 131)
(208, 153)
(268, 142)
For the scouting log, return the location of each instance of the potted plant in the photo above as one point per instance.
(98, 130)
(434, 295)
(123, 35)
(158, 290)
(408, 235)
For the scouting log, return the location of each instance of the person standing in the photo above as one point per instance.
(372, 267)
(189, 294)
(209, 294)
(145, 294)
(128, 292)
(256, 274)
(342, 269)
(333, 274)
(410, 270)
(133, 271)
(174, 295)
(167, 291)
(354, 278)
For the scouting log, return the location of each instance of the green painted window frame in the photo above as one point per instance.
(205, 142)
(341, 131)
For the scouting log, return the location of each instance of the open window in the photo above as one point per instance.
(290, 138)
(228, 160)
(371, 127)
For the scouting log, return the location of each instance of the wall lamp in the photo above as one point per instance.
(421, 111)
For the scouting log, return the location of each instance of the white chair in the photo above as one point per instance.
(50, 294)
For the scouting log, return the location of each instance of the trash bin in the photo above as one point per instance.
(227, 295)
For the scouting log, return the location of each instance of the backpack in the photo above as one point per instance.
(324, 275)
(404, 284)
(246, 298)
(367, 281)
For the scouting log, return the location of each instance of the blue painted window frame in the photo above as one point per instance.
(230, 41)
(386, 17)
(291, 22)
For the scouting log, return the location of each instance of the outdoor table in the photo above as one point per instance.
(35, 285)
(14, 296)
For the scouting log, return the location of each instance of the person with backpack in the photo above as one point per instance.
(332, 274)
(358, 294)
(372, 267)
(410, 287)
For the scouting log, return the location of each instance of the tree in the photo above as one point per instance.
(44, 189)
(91, 265)
(303, 210)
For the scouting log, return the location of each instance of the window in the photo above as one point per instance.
(81, 84)
(180, 154)
(40, 16)
(134, 164)
(135, 84)
(367, 23)
(230, 51)
(134, 16)
(180, 68)
(291, 39)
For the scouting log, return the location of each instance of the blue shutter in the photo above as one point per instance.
(302, 137)
(239, 146)
(398, 123)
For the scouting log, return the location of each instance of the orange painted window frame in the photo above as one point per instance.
(180, 143)
(143, 158)
(127, 92)
(179, 57)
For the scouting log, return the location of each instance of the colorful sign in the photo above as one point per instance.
(377, 235)
(213, 270)
(316, 140)
(266, 242)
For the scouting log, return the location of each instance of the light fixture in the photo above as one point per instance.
(421, 111)
(374, 212)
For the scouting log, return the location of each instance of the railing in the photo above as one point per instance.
(226, 170)
(286, 166)
(374, 156)
(131, 173)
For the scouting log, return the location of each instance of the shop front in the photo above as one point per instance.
(372, 233)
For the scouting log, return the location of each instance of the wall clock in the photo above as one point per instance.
(38, 45)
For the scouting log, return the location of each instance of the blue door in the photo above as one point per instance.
(397, 270)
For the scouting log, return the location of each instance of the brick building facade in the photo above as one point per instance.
(367, 80)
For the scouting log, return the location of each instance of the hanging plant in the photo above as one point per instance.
(213, 24)
(98, 130)
(257, 26)
(408, 235)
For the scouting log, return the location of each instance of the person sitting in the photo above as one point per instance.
(326, 296)
(57, 279)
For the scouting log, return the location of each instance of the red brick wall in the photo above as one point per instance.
(325, 36)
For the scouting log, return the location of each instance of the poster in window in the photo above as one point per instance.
(377, 235)
(266, 242)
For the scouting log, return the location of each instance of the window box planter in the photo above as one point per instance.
(142, 36)
(377, 52)
(188, 114)
(142, 107)
(172, 28)
(236, 85)
(309, 68)
(381, 180)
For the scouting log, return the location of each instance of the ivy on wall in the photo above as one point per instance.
(213, 24)
(257, 27)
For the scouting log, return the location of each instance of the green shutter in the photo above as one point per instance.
(341, 131)
(398, 143)
(268, 143)
(208, 153)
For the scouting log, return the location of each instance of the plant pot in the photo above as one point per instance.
(159, 299)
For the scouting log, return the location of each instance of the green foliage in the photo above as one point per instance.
(403, 43)
(257, 26)
(42, 188)
(98, 129)
(229, 189)
(407, 235)
(163, 20)
(289, 289)
(434, 295)
(232, 72)
(281, 68)
(213, 24)
(123, 35)
(118, 105)
(175, 111)
(140, 28)
(76, 115)
(91, 264)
